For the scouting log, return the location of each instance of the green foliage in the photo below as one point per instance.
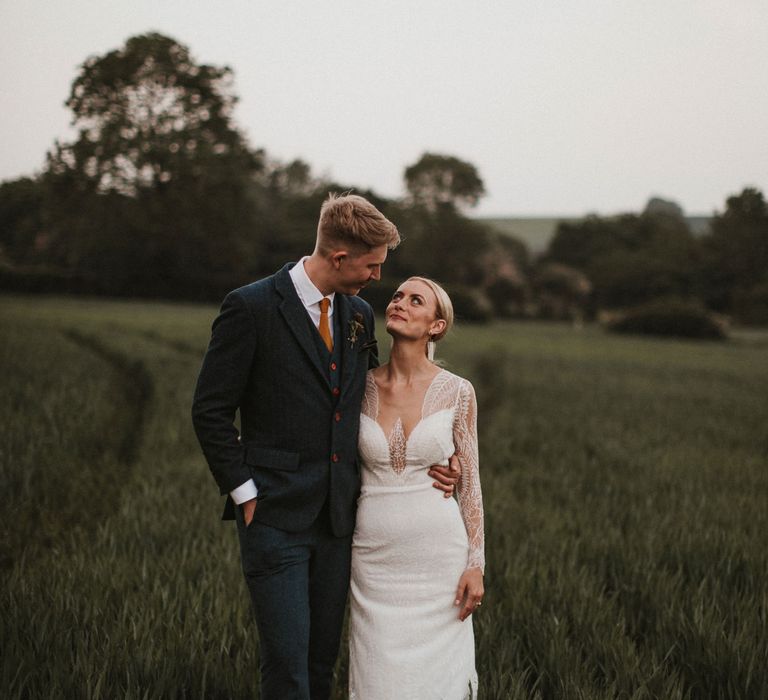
(623, 481)
(153, 195)
(751, 304)
(20, 219)
(628, 277)
(736, 257)
(538, 232)
(670, 317)
(73, 425)
(123, 582)
(577, 243)
(148, 114)
(469, 304)
(160, 196)
(631, 259)
(484, 271)
(657, 206)
(621, 478)
(442, 244)
(439, 180)
(561, 291)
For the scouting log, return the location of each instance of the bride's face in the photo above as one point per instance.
(412, 312)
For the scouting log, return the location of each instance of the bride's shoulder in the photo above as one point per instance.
(451, 378)
(450, 384)
(375, 373)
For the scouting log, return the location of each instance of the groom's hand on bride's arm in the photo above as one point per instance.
(446, 478)
(249, 508)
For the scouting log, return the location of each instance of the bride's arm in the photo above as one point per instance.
(470, 589)
(468, 489)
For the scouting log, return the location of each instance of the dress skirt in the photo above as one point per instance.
(406, 640)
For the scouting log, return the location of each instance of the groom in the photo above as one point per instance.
(291, 352)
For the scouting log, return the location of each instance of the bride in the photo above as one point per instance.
(417, 558)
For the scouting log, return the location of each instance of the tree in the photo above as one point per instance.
(736, 257)
(562, 291)
(148, 114)
(578, 243)
(505, 279)
(21, 232)
(630, 259)
(436, 180)
(664, 207)
(155, 190)
(444, 245)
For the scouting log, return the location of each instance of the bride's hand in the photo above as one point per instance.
(470, 592)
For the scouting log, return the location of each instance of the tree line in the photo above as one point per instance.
(160, 195)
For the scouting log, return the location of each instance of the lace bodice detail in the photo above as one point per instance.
(448, 425)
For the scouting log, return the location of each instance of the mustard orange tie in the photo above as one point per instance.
(324, 327)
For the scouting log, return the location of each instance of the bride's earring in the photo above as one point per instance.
(431, 348)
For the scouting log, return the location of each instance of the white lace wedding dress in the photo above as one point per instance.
(410, 547)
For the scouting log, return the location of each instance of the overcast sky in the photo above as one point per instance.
(564, 106)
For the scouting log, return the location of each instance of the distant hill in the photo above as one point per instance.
(699, 224)
(536, 232)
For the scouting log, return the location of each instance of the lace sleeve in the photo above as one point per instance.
(469, 493)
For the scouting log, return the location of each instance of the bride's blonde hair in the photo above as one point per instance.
(444, 312)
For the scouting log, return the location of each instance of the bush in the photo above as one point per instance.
(670, 317)
(750, 306)
(469, 304)
(46, 279)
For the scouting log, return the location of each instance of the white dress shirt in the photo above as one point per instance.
(310, 296)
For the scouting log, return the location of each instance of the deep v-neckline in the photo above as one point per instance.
(395, 434)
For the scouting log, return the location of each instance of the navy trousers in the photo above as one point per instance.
(298, 582)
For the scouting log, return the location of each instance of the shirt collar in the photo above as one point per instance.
(308, 293)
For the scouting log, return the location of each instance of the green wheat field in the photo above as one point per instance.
(625, 486)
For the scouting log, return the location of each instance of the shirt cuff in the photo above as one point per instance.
(244, 492)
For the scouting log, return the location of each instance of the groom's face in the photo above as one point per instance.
(355, 271)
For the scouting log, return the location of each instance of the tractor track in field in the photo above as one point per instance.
(179, 346)
(139, 389)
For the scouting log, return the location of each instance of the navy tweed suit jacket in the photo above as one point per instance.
(298, 439)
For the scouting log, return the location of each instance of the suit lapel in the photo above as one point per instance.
(349, 350)
(295, 315)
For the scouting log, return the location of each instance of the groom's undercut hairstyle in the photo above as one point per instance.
(351, 222)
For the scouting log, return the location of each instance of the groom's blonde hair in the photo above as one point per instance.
(351, 221)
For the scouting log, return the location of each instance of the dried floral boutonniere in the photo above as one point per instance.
(355, 326)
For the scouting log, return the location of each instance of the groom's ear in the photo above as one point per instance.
(338, 257)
